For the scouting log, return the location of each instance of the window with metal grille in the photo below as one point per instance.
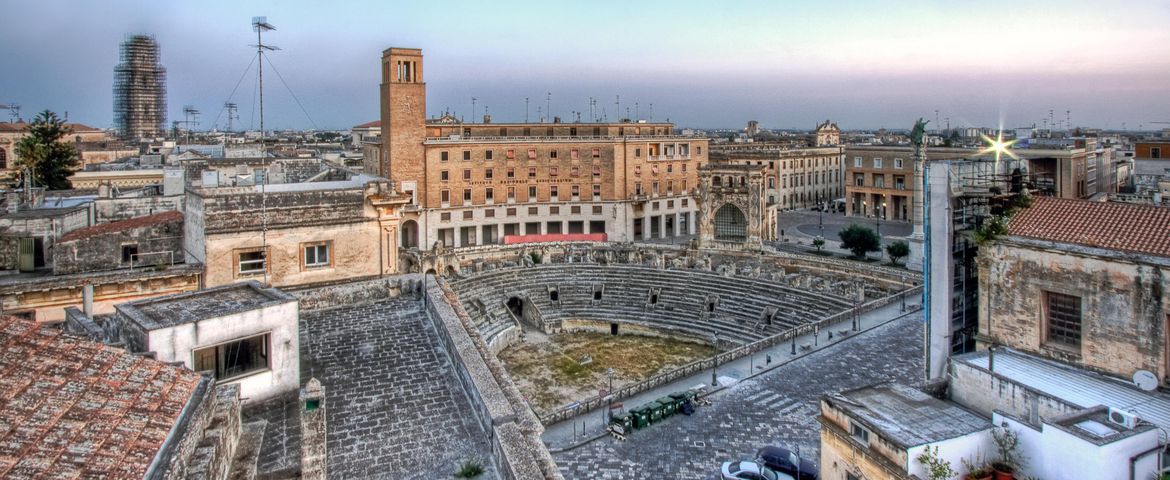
(1064, 319)
(730, 224)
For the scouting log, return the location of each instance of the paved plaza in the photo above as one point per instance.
(395, 408)
(777, 408)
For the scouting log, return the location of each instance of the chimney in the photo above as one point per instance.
(313, 452)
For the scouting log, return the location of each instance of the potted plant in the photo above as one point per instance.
(937, 468)
(1007, 444)
(977, 470)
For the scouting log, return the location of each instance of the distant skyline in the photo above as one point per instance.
(865, 65)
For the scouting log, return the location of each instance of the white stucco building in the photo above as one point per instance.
(241, 333)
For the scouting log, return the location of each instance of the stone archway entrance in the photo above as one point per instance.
(409, 234)
(516, 306)
(730, 224)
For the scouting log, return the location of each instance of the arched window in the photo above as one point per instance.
(730, 224)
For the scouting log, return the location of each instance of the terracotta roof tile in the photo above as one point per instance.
(1115, 226)
(375, 123)
(79, 409)
(122, 225)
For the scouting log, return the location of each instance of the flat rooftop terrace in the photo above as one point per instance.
(190, 307)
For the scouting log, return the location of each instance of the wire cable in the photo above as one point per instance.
(290, 92)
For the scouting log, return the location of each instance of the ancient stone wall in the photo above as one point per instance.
(156, 244)
(518, 451)
(353, 293)
(238, 209)
(1123, 302)
(114, 209)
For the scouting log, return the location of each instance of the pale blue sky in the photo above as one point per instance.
(865, 64)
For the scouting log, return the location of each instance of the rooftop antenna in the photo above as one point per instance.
(261, 25)
(525, 109)
(539, 114)
(1068, 119)
(547, 105)
(473, 99)
(637, 111)
(190, 117)
(231, 114)
(617, 105)
(13, 111)
(592, 103)
(651, 112)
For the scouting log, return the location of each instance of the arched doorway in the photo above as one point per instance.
(730, 224)
(516, 306)
(409, 234)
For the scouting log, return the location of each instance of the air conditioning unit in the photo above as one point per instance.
(1123, 418)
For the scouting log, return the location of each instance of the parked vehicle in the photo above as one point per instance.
(746, 470)
(785, 461)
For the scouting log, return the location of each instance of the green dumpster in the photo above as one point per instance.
(656, 410)
(640, 417)
(622, 422)
(683, 396)
(669, 406)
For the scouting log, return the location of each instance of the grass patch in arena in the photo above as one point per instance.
(550, 373)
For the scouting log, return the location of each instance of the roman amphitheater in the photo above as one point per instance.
(423, 371)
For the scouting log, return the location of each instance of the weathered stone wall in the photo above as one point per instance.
(833, 276)
(157, 244)
(1124, 303)
(171, 462)
(518, 451)
(47, 296)
(984, 392)
(353, 293)
(238, 209)
(212, 458)
(355, 254)
(114, 209)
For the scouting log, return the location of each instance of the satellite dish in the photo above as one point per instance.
(1145, 380)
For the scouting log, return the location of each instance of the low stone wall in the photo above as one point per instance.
(504, 339)
(809, 271)
(344, 294)
(518, 450)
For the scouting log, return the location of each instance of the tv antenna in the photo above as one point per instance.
(13, 110)
(261, 25)
(190, 118)
(231, 114)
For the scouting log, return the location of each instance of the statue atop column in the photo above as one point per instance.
(917, 237)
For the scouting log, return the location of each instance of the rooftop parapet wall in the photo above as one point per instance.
(232, 210)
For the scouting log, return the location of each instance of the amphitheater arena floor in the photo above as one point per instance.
(395, 408)
(778, 408)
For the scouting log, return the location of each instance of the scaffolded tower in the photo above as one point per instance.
(140, 90)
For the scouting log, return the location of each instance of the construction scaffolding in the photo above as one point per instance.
(140, 90)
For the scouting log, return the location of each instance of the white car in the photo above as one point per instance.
(745, 470)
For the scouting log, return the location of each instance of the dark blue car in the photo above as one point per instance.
(785, 461)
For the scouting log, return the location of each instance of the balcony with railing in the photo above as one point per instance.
(460, 139)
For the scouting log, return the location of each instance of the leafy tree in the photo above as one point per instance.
(819, 243)
(49, 159)
(897, 251)
(328, 136)
(859, 240)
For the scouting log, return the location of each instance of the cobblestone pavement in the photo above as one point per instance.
(395, 408)
(777, 408)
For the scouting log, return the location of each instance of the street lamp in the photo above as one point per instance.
(715, 360)
(821, 214)
(609, 396)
